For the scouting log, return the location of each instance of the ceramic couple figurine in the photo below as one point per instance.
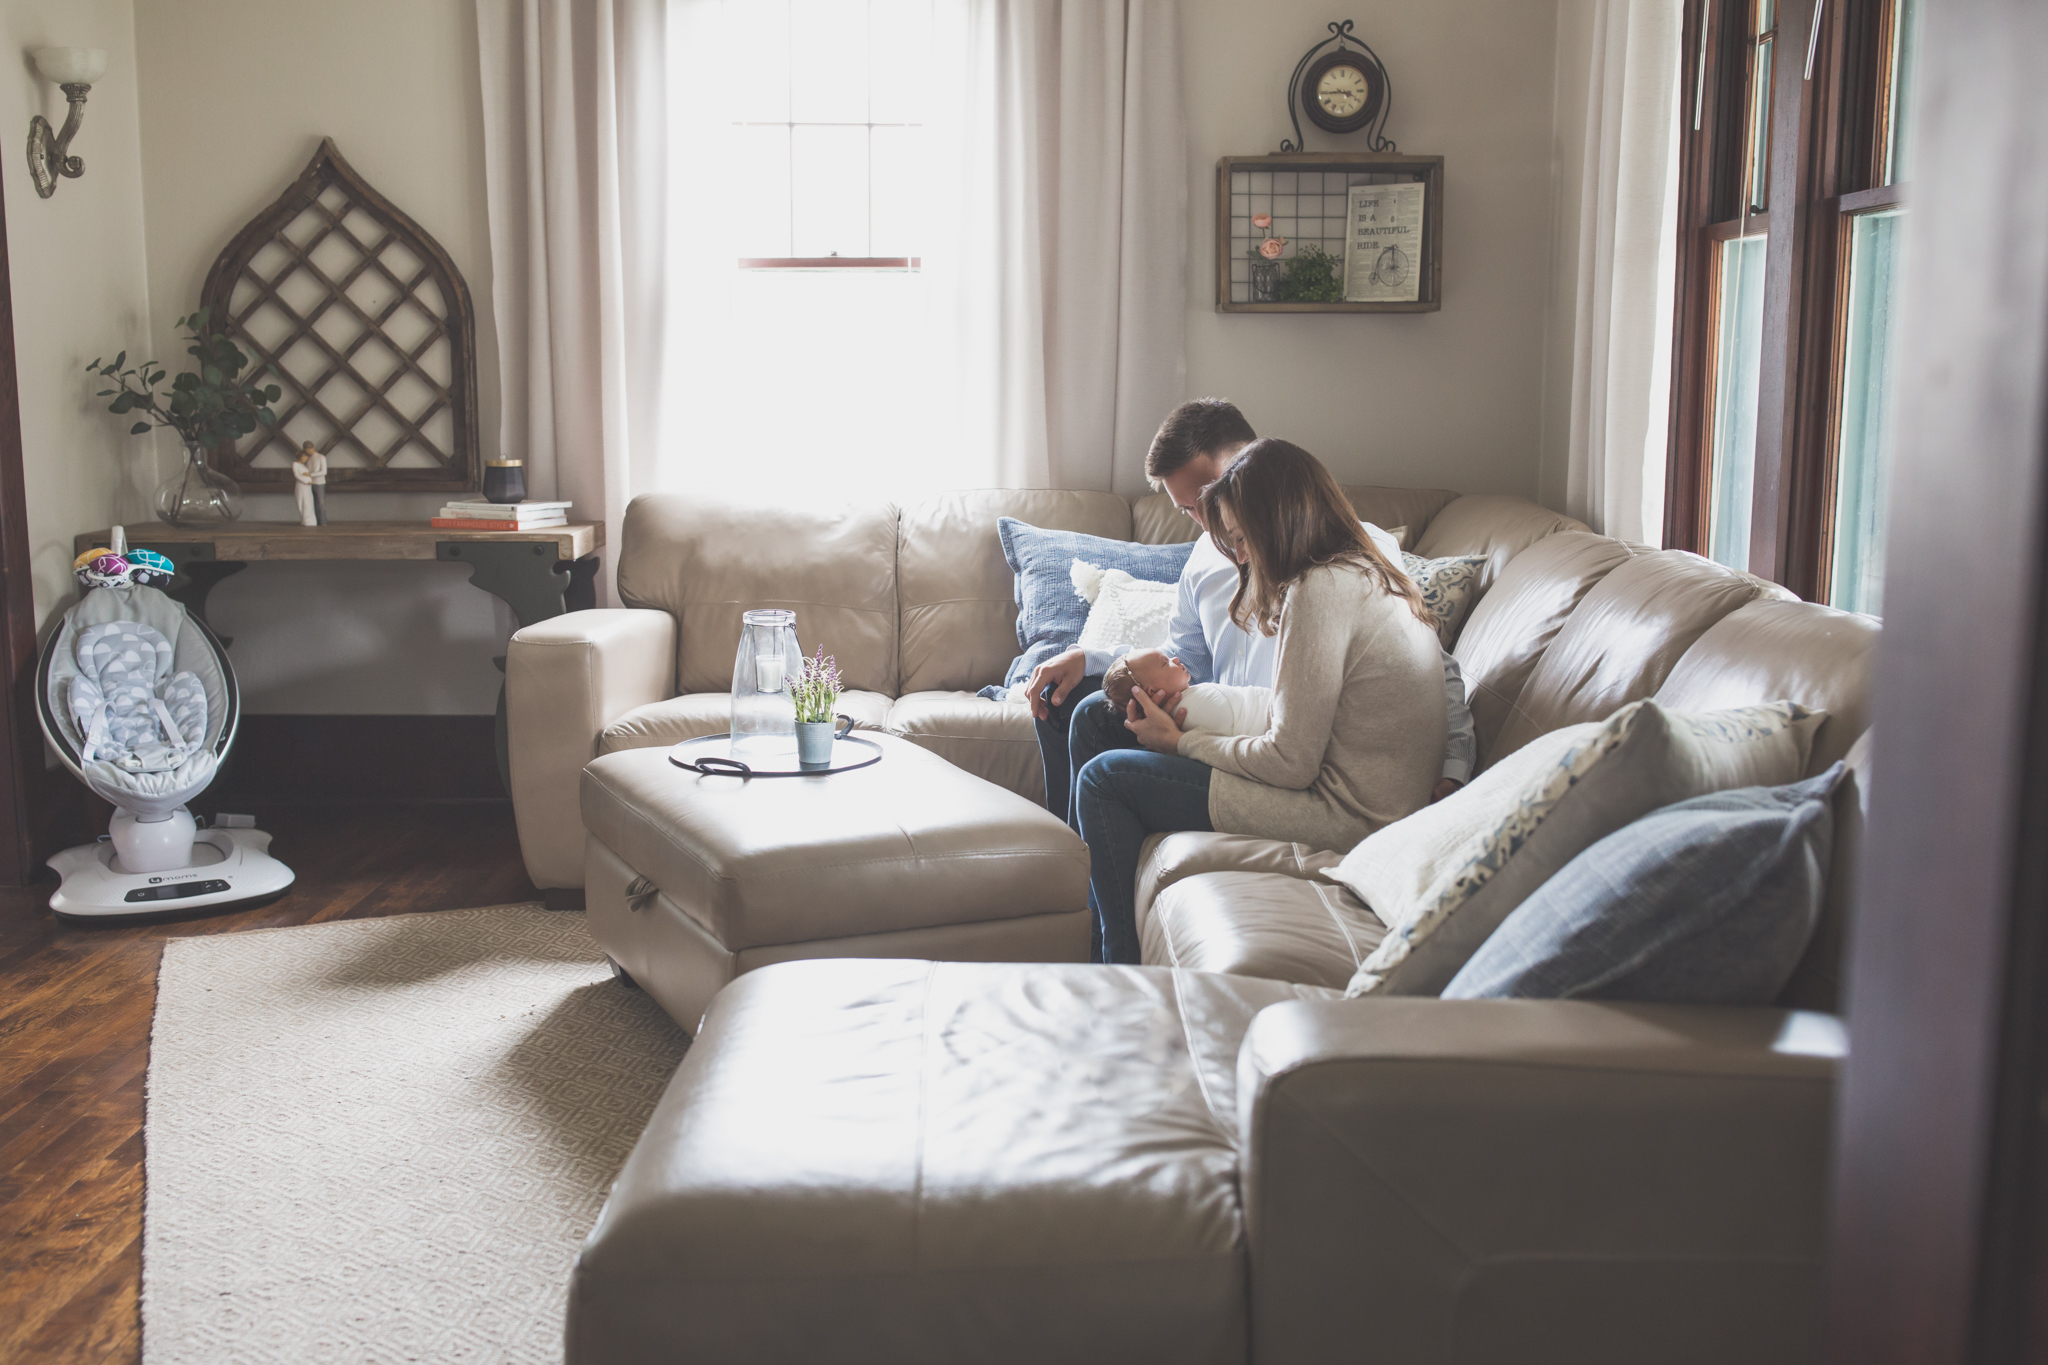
(310, 472)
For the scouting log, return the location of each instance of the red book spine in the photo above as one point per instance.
(471, 524)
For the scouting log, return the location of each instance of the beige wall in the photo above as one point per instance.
(77, 269)
(236, 95)
(1451, 399)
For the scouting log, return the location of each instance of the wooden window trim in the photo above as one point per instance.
(1711, 208)
(1842, 153)
(830, 262)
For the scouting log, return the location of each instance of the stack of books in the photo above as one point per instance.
(501, 516)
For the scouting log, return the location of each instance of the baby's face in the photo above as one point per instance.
(1158, 673)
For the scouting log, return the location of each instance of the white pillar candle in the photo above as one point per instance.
(768, 672)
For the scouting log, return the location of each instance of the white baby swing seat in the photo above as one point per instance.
(139, 701)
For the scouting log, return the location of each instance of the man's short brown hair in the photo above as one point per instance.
(1201, 426)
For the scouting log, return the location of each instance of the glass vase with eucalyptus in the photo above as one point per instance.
(211, 406)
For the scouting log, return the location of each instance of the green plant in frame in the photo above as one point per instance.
(1313, 276)
(213, 405)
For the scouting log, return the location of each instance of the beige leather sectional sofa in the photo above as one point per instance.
(1214, 1156)
(915, 602)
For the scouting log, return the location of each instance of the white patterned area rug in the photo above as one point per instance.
(384, 1140)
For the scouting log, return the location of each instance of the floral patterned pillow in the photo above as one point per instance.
(1449, 588)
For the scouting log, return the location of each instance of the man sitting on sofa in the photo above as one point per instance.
(1193, 447)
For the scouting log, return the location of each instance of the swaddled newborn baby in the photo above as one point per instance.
(1216, 707)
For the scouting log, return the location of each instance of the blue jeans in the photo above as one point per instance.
(1082, 726)
(1121, 797)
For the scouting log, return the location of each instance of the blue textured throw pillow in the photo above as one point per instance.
(1707, 902)
(1050, 613)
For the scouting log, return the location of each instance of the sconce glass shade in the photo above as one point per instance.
(71, 65)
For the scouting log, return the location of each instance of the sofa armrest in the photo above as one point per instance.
(566, 679)
(1492, 1180)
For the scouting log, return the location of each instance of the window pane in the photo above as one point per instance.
(1863, 460)
(899, 55)
(1738, 354)
(898, 184)
(1905, 35)
(812, 385)
(756, 88)
(1760, 106)
(829, 190)
(827, 56)
(760, 181)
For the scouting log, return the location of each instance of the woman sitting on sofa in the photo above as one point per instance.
(1357, 734)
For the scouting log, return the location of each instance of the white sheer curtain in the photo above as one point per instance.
(1621, 339)
(576, 163)
(1058, 269)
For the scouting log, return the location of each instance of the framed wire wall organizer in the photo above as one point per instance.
(1311, 204)
(366, 324)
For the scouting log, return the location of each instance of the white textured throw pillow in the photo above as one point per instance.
(1126, 611)
(1443, 879)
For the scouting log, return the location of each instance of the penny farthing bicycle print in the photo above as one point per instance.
(1390, 269)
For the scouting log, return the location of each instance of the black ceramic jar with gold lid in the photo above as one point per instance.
(504, 481)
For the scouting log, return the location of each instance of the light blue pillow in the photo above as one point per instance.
(1707, 902)
(1050, 613)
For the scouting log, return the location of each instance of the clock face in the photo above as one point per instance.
(1341, 91)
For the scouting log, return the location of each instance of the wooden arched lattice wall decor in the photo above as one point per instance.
(366, 325)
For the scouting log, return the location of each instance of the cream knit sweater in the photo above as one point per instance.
(1358, 732)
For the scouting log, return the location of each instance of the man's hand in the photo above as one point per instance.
(1444, 787)
(1152, 727)
(1063, 672)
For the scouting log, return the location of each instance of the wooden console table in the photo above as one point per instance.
(538, 574)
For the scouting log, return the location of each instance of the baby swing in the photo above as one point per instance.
(138, 699)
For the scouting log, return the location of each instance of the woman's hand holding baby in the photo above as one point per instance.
(1171, 703)
(1153, 726)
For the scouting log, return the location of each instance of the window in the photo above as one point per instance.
(794, 261)
(1791, 215)
(825, 140)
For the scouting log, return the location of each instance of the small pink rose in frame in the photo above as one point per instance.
(1272, 247)
(1262, 221)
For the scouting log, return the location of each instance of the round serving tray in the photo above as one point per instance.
(711, 756)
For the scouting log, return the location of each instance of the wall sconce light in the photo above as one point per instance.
(75, 69)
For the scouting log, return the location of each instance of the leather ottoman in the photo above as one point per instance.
(931, 1163)
(692, 880)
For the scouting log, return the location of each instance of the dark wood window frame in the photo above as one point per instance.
(1823, 166)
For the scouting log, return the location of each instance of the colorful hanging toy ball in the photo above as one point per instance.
(102, 568)
(149, 569)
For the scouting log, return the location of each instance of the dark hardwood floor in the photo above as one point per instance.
(75, 1010)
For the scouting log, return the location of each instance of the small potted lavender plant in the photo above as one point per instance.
(816, 694)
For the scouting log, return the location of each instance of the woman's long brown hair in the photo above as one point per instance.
(1293, 517)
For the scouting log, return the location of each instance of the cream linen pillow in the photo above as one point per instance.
(1443, 879)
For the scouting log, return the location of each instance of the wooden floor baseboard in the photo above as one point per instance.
(292, 761)
(327, 759)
